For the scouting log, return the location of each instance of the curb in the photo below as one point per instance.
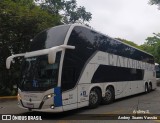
(8, 97)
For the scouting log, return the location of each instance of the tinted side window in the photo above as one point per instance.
(107, 73)
(97, 41)
(68, 78)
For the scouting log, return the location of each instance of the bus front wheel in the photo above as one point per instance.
(94, 98)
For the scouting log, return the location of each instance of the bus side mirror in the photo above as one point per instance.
(52, 56)
(53, 51)
(10, 59)
(8, 62)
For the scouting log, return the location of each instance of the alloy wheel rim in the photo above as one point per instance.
(108, 95)
(93, 97)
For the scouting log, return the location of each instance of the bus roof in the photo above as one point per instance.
(76, 24)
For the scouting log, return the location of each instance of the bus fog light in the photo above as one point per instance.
(52, 106)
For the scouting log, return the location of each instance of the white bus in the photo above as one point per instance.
(72, 66)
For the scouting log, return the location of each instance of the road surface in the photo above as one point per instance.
(147, 103)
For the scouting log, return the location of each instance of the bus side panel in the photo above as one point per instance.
(83, 95)
(134, 87)
(69, 99)
(88, 73)
(122, 89)
(140, 87)
(147, 75)
(127, 88)
(118, 90)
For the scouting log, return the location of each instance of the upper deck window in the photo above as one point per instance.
(51, 37)
(88, 38)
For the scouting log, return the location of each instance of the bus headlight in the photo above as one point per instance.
(48, 96)
(19, 96)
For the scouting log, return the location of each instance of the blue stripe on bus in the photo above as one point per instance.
(57, 97)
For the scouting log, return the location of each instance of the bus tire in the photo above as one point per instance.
(146, 88)
(94, 98)
(150, 87)
(109, 96)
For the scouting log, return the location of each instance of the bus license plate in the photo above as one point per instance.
(30, 105)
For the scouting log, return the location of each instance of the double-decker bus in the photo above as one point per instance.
(72, 66)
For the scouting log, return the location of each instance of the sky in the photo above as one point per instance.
(133, 20)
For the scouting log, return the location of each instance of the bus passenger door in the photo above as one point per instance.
(69, 88)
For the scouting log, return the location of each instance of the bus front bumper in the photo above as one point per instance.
(49, 109)
(41, 106)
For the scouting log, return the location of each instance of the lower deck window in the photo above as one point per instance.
(107, 73)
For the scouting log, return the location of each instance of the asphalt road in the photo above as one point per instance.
(148, 103)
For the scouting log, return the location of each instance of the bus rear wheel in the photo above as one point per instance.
(94, 98)
(109, 96)
(150, 87)
(146, 88)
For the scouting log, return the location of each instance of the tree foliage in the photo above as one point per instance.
(20, 20)
(155, 2)
(68, 10)
(128, 42)
(152, 45)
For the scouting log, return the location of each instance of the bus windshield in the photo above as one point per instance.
(51, 37)
(38, 75)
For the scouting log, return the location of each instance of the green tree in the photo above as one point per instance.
(74, 14)
(157, 52)
(156, 38)
(154, 2)
(129, 42)
(20, 21)
(68, 10)
(147, 48)
(151, 41)
(152, 46)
